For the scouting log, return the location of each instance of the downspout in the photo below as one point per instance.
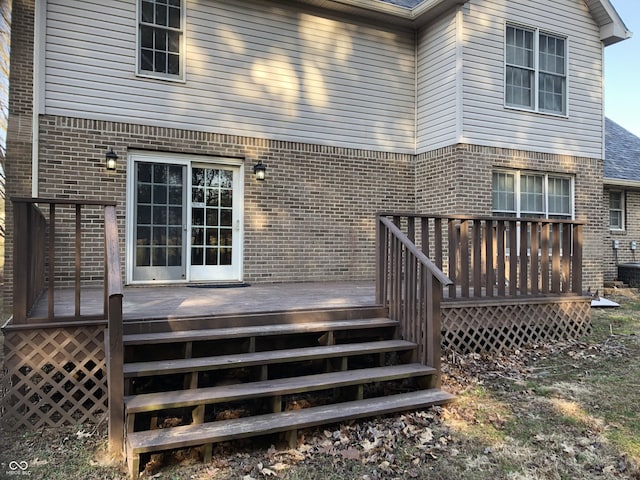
(459, 78)
(602, 109)
(39, 33)
(415, 118)
(415, 91)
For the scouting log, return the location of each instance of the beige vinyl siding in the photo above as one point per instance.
(437, 114)
(488, 122)
(253, 68)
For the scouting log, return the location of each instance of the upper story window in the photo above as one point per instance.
(616, 210)
(536, 72)
(161, 39)
(528, 194)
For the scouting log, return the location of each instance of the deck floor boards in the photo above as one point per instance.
(174, 301)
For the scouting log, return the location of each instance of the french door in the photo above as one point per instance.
(185, 220)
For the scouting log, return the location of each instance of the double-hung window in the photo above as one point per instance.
(529, 194)
(535, 70)
(161, 38)
(616, 210)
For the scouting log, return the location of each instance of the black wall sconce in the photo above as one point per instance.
(259, 169)
(111, 159)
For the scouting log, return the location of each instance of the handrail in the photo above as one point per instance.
(410, 285)
(115, 348)
(484, 218)
(413, 249)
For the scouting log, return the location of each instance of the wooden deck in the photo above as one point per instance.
(141, 303)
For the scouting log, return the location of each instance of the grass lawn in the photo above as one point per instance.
(562, 411)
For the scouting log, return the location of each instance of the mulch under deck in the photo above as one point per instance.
(173, 301)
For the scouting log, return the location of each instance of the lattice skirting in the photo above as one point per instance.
(53, 376)
(508, 324)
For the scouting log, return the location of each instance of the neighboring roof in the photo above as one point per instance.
(417, 12)
(622, 155)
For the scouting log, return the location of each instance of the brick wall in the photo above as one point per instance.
(631, 232)
(458, 180)
(311, 219)
(19, 129)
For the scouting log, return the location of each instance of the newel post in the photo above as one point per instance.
(115, 377)
(114, 345)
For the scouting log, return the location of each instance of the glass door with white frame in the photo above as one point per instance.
(215, 222)
(159, 221)
(185, 220)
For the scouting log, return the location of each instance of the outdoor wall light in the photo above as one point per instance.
(259, 169)
(111, 159)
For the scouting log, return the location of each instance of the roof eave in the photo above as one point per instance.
(620, 182)
(613, 33)
(389, 13)
(612, 28)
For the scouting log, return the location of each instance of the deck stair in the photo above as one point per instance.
(197, 386)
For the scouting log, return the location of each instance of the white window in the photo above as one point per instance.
(161, 39)
(535, 71)
(529, 194)
(616, 210)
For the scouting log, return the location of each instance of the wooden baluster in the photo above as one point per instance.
(513, 258)
(566, 258)
(555, 258)
(437, 241)
(78, 258)
(478, 249)
(424, 231)
(576, 267)
(464, 258)
(524, 258)
(489, 242)
(545, 233)
(52, 258)
(382, 258)
(453, 260)
(535, 273)
(501, 258)
(411, 229)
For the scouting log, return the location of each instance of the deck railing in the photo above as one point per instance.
(499, 256)
(410, 285)
(37, 266)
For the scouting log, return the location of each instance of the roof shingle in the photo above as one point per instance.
(622, 153)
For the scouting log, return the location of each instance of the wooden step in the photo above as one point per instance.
(167, 367)
(255, 331)
(208, 433)
(148, 325)
(189, 398)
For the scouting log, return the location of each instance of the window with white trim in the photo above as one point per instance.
(528, 194)
(616, 210)
(161, 39)
(535, 70)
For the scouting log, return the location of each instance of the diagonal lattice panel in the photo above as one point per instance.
(54, 376)
(505, 326)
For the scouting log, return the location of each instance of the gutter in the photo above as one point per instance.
(39, 33)
(619, 182)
